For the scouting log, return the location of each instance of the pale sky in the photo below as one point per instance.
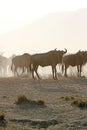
(17, 13)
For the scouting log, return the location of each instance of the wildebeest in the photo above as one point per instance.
(51, 58)
(20, 61)
(4, 62)
(77, 59)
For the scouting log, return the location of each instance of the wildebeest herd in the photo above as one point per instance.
(30, 63)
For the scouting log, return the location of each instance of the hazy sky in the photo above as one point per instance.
(16, 13)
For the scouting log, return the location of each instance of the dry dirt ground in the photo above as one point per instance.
(57, 114)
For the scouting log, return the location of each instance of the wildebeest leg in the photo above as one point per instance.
(66, 70)
(62, 68)
(37, 72)
(15, 72)
(78, 70)
(28, 71)
(53, 72)
(32, 69)
(35, 69)
(33, 74)
(23, 70)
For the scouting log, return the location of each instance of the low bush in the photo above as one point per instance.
(2, 116)
(40, 102)
(68, 97)
(82, 103)
(23, 99)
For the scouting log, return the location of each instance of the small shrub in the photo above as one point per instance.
(77, 100)
(74, 102)
(68, 98)
(2, 116)
(65, 97)
(22, 99)
(82, 103)
(72, 98)
(40, 102)
(3, 122)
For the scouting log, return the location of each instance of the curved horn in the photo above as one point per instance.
(65, 50)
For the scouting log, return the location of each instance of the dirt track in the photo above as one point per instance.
(67, 117)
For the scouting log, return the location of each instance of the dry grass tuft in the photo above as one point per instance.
(3, 122)
(68, 98)
(81, 102)
(23, 99)
(2, 116)
(40, 102)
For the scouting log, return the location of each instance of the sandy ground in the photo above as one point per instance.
(58, 114)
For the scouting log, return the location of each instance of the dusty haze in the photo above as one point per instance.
(57, 30)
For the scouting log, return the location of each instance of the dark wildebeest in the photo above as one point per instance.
(51, 58)
(77, 59)
(21, 61)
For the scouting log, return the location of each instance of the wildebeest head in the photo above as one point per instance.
(84, 54)
(59, 54)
